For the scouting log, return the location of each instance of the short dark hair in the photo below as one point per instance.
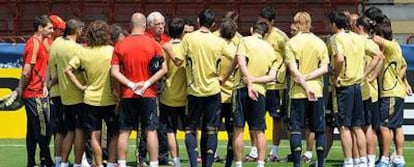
(340, 19)
(268, 13)
(260, 28)
(375, 13)
(42, 20)
(115, 31)
(365, 22)
(97, 33)
(206, 18)
(228, 29)
(188, 21)
(176, 27)
(72, 26)
(384, 30)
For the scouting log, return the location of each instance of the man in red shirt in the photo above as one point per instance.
(156, 26)
(33, 89)
(130, 66)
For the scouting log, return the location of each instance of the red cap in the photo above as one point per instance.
(57, 22)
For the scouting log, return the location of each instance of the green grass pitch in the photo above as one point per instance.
(13, 154)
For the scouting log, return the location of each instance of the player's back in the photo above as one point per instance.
(308, 51)
(352, 47)
(391, 83)
(65, 50)
(203, 50)
(259, 59)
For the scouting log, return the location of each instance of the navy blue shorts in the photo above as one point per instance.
(303, 112)
(138, 111)
(392, 112)
(226, 119)
(204, 112)
(274, 103)
(56, 115)
(94, 116)
(73, 116)
(372, 113)
(248, 110)
(172, 117)
(349, 106)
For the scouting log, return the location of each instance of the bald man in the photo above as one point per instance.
(130, 66)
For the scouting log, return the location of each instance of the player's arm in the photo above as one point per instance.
(159, 74)
(300, 79)
(228, 71)
(270, 76)
(27, 70)
(323, 66)
(168, 47)
(377, 68)
(378, 40)
(116, 73)
(69, 72)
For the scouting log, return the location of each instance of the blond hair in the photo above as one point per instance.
(302, 21)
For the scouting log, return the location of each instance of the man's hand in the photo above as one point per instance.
(45, 92)
(253, 94)
(141, 87)
(311, 95)
(409, 90)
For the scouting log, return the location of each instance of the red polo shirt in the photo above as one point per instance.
(164, 38)
(35, 53)
(133, 55)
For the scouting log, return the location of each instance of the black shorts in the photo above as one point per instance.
(274, 103)
(248, 110)
(94, 116)
(56, 115)
(204, 111)
(139, 111)
(349, 106)
(392, 112)
(226, 119)
(171, 117)
(73, 116)
(302, 110)
(372, 113)
(329, 112)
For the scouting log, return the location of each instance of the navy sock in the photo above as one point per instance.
(191, 144)
(296, 148)
(321, 148)
(230, 153)
(211, 146)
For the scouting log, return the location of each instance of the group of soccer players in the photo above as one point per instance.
(194, 79)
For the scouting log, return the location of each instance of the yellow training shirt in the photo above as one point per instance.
(277, 39)
(225, 62)
(391, 83)
(174, 93)
(96, 61)
(308, 51)
(54, 90)
(65, 50)
(352, 47)
(201, 51)
(259, 57)
(370, 89)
